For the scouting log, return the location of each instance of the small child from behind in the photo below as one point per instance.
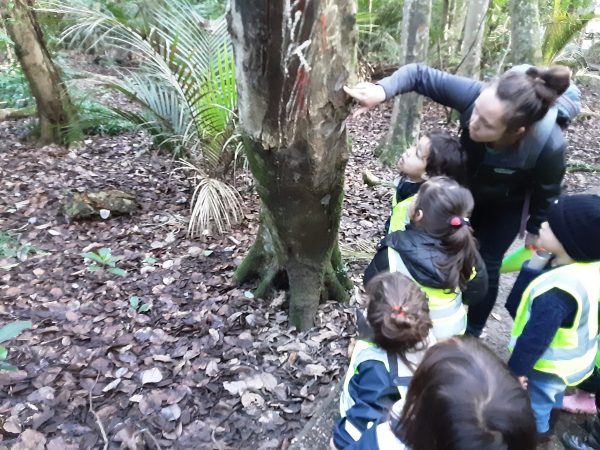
(438, 251)
(382, 365)
(554, 337)
(437, 153)
(462, 397)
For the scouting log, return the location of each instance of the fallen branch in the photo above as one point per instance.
(17, 113)
(98, 421)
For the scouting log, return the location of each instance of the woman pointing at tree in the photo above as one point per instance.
(515, 151)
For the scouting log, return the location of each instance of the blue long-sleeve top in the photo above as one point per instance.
(505, 178)
(549, 312)
(374, 392)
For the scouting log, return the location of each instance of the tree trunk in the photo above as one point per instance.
(55, 110)
(526, 34)
(470, 48)
(291, 64)
(405, 121)
(456, 26)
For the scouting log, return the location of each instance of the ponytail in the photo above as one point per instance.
(446, 208)
(398, 313)
(530, 94)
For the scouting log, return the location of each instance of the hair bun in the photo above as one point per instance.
(551, 83)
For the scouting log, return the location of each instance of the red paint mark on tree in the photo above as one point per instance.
(323, 24)
(298, 106)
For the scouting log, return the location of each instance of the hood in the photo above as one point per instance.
(418, 250)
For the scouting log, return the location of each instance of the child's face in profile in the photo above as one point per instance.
(414, 161)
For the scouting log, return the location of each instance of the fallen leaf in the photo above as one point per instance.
(110, 386)
(171, 413)
(315, 370)
(151, 376)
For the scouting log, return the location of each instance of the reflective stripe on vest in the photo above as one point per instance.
(399, 217)
(367, 351)
(446, 310)
(572, 353)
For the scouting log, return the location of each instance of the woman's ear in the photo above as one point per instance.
(521, 131)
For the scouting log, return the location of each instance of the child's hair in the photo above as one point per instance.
(446, 156)
(398, 314)
(462, 397)
(446, 210)
(530, 94)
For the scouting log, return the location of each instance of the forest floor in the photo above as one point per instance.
(208, 366)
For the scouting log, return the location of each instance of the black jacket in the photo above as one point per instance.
(419, 251)
(496, 179)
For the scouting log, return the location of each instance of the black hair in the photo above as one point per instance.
(446, 156)
(462, 397)
(443, 201)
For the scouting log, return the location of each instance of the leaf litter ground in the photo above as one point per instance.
(207, 366)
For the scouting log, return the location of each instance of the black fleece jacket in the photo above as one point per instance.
(419, 251)
(499, 179)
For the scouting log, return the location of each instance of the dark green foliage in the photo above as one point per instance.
(14, 90)
(379, 23)
(96, 118)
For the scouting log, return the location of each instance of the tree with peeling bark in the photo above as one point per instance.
(416, 17)
(292, 59)
(54, 107)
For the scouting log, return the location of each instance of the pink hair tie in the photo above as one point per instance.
(455, 221)
(458, 222)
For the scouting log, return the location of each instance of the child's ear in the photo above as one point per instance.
(417, 215)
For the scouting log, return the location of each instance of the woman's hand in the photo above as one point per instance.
(531, 240)
(367, 94)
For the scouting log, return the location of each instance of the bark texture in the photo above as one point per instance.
(54, 107)
(292, 59)
(470, 48)
(416, 17)
(526, 33)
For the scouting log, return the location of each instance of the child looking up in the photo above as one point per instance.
(438, 251)
(554, 337)
(436, 153)
(381, 365)
(461, 397)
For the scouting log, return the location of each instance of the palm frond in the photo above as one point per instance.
(360, 250)
(214, 203)
(560, 32)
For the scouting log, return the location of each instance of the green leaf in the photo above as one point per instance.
(117, 271)
(8, 367)
(149, 261)
(134, 301)
(13, 329)
(145, 307)
(93, 268)
(104, 253)
(207, 252)
(93, 256)
(3, 352)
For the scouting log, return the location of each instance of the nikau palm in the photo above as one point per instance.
(185, 85)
